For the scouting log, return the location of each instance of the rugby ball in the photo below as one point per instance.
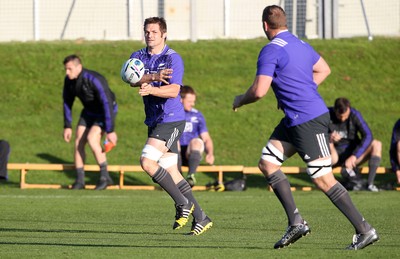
(132, 71)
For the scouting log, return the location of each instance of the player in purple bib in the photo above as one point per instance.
(160, 87)
(195, 126)
(157, 108)
(294, 70)
(195, 138)
(286, 59)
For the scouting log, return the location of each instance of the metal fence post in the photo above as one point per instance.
(193, 21)
(36, 31)
(366, 20)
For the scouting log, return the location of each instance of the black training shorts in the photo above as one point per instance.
(169, 132)
(88, 121)
(310, 139)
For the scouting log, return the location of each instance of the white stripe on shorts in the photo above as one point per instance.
(172, 138)
(323, 146)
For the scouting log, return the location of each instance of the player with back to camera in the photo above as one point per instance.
(165, 119)
(294, 70)
(195, 138)
(97, 117)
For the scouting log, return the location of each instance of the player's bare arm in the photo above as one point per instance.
(321, 70)
(67, 134)
(256, 91)
(162, 76)
(165, 91)
(209, 147)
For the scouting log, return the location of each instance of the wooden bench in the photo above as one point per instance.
(24, 168)
(122, 169)
(297, 170)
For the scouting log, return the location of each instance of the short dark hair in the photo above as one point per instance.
(158, 20)
(186, 89)
(72, 57)
(341, 105)
(275, 17)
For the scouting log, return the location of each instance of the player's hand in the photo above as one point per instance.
(112, 137)
(145, 89)
(110, 142)
(236, 102)
(335, 137)
(351, 162)
(210, 159)
(67, 134)
(163, 75)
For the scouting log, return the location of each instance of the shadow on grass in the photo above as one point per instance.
(80, 231)
(9, 184)
(132, 246)
(141, 178)
(21, 230)
(86, 223)
(53, 159)
(57, 160)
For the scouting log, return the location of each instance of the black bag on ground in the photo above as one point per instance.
(238, 184)
(235, 185)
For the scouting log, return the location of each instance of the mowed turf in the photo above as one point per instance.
(138, 224)
(32, 74)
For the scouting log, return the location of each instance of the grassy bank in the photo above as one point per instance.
(32, 79)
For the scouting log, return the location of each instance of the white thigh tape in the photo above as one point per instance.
(319, 168)
(272, 155)
(151, 153)
(168, 161)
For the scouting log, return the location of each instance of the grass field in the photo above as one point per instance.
(32, 79)
(138, 224)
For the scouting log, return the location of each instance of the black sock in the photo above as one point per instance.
(164, 179)
(186, 190)
(373, 165)
(194, 161)
(341, 198)
(103, 170)
(80, 175)
(281, 187)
